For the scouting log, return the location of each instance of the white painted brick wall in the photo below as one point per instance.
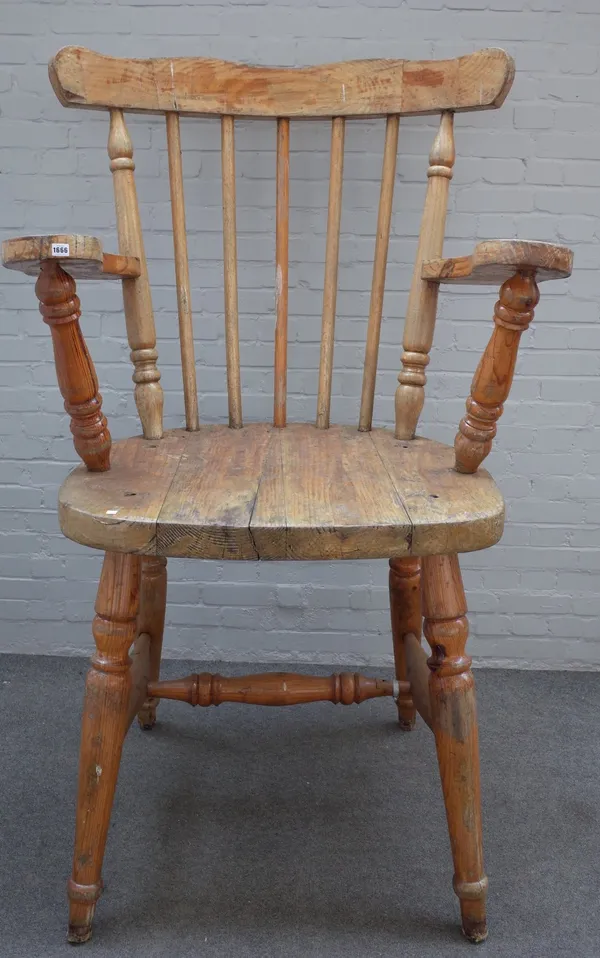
(530, 170)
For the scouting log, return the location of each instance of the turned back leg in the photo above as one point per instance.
(103, 728)
(454, 718)
(405, 611)
(151, 620)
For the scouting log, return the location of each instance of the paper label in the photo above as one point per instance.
(60, 249)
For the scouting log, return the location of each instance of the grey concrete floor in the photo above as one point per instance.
(308, 831)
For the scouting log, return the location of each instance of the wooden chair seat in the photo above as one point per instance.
(294, 493)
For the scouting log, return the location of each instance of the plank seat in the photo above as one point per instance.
(294, 493)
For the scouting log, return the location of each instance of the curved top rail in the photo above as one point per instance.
(478, 81)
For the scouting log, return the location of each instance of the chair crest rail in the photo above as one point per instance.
(204, 86)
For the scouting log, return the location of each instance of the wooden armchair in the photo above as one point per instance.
(262, 491)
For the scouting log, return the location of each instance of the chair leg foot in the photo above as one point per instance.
(454, 719)
(81, 916)
(103, 728)
(405, 611)
(151, 619)
(147, 715)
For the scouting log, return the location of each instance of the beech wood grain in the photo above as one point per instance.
(478, 81)
(421, 309)
(137, 298)
(282, 230)
(182, 272)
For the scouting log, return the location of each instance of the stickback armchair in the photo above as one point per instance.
(278, 491)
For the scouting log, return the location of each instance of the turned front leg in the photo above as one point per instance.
(103, 728)
(492, 381)
(77, 380)
(405, 611)
(454, 720)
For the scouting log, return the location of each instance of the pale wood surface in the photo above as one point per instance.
(137, 299)
(454, 720)
(103, 727)
(86, 260)
(232, 339)
(494, 261)
(382, 239)
(443, 514)
(419, 323)
(405, 611)
(123, 511)
(208, 508)
(182, 273)
(282, 213)
(77, 380)
(294, 493)
(272, 688)
(332, 248)
(478, 81)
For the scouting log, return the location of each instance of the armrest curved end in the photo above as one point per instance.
(80, 256)
(494, 261)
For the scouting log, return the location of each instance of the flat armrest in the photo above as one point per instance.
(493, 262)
(80, 256)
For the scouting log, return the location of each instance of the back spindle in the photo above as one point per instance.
(137, 300)
(182, 273)
(382, 240)
(282, 271)
(334, 214)
(422, 299)
(232, 336)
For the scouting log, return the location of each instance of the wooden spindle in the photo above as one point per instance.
(454, 722)
(282, 269)
(422, 299)
(334, 214)
(272, 688)
(137, 300)
(77, 380)
(182, 273)
(382, 240)
(232, 336)
(491, 384)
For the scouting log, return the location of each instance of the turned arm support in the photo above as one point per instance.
(519, 266)
(44, 257)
